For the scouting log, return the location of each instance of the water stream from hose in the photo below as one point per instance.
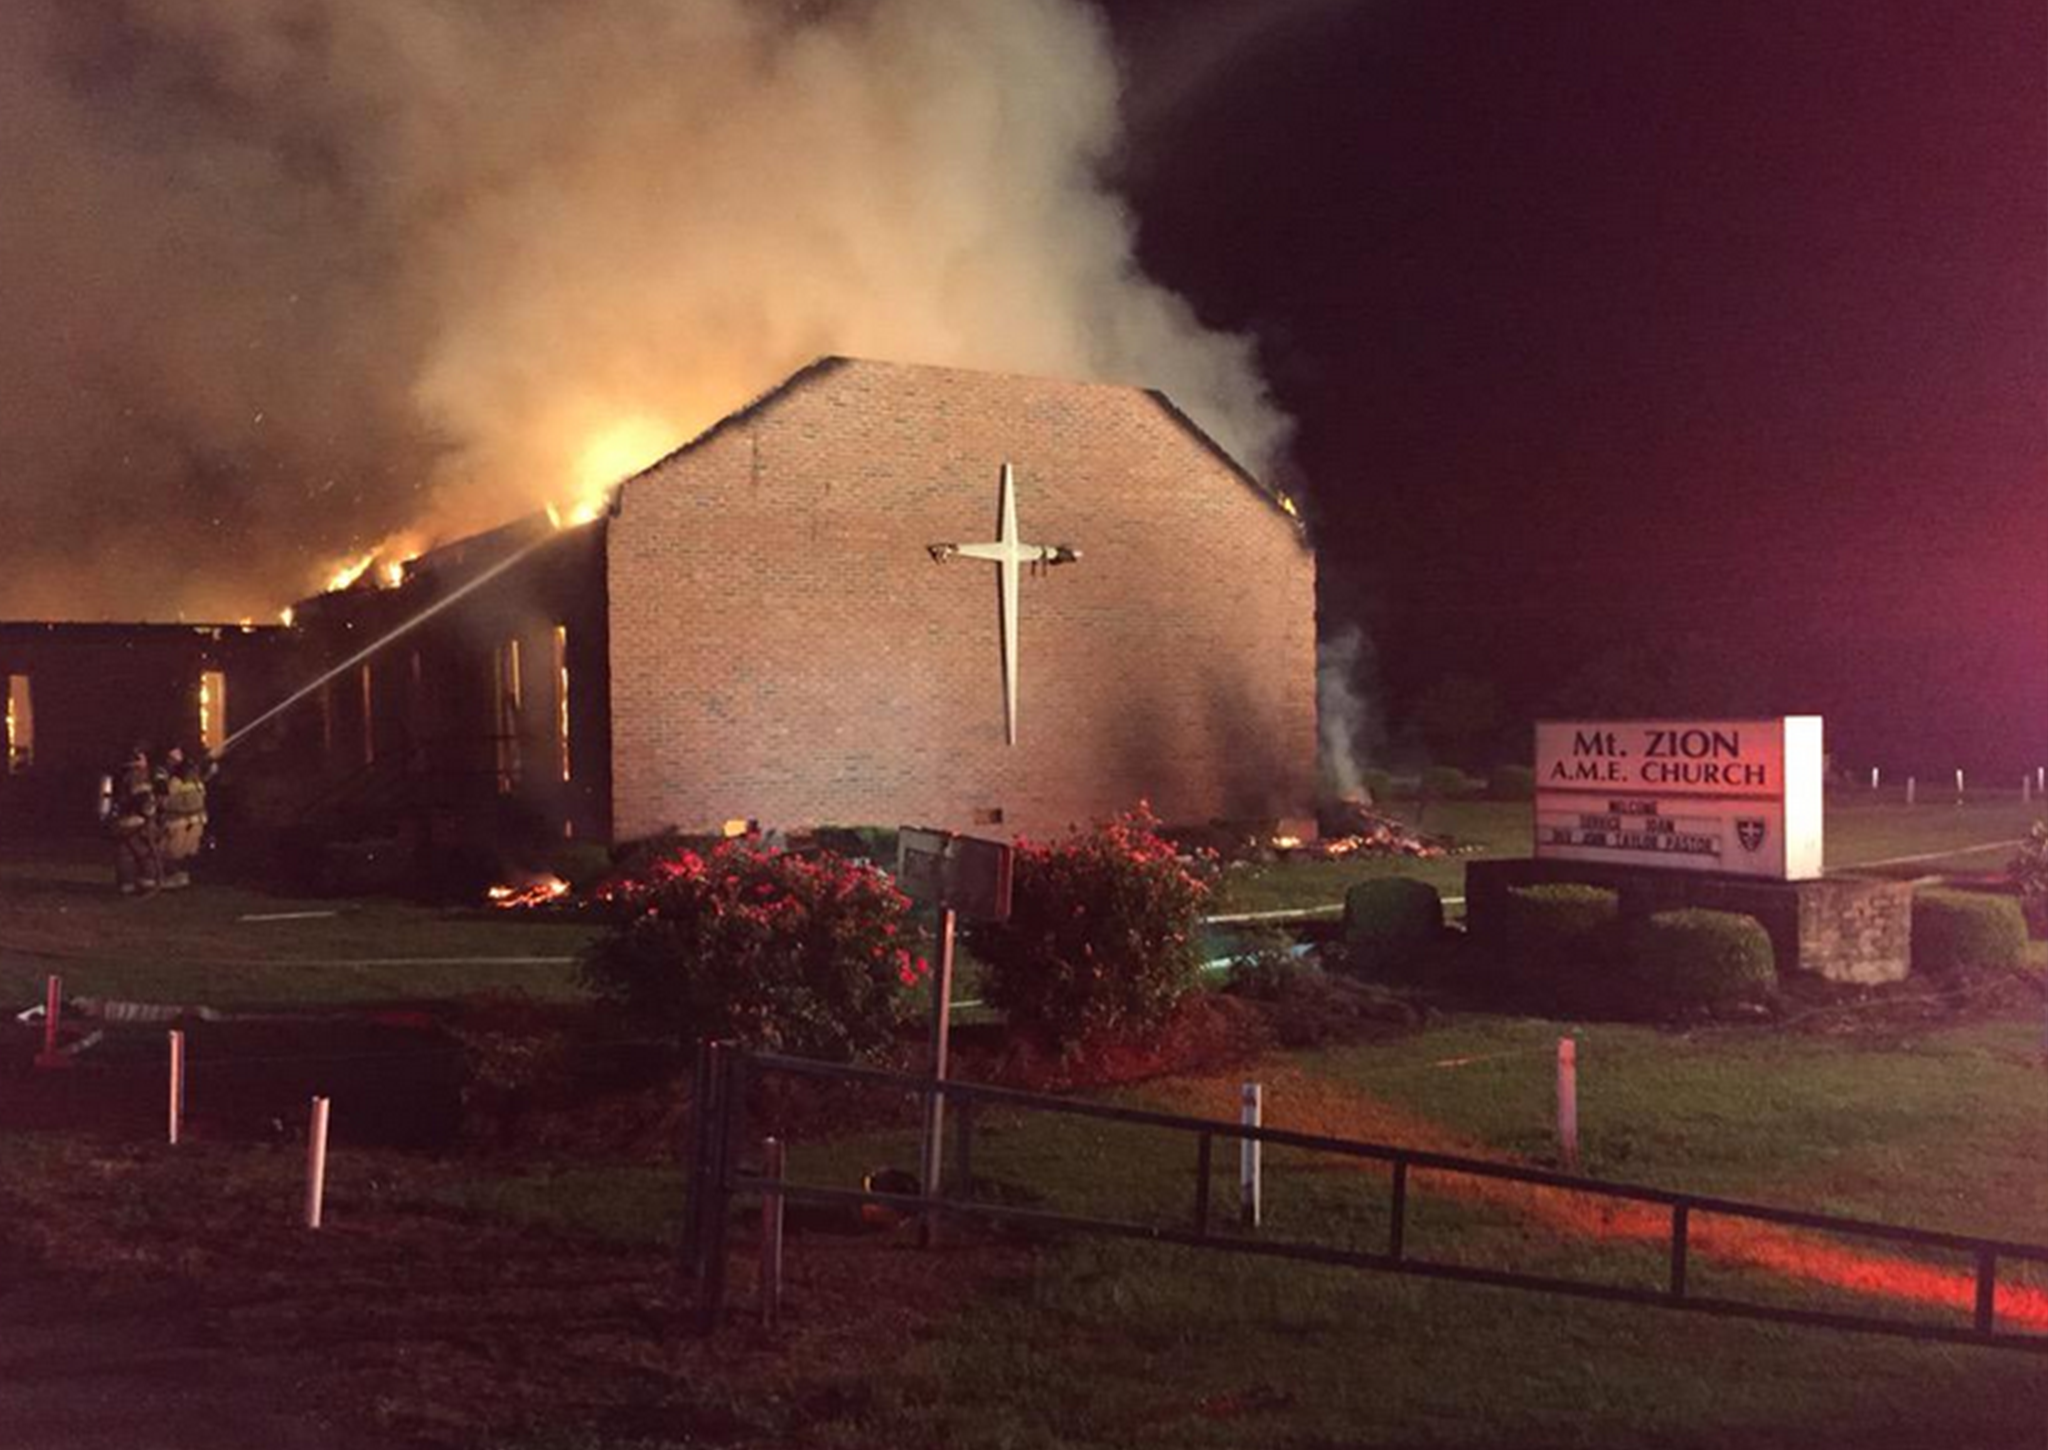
(402, 629)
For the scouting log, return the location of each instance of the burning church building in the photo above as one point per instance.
(880, 593)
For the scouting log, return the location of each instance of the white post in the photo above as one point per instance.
(177, 1107)
(1911, 791)
(771, 1234)
(935, 1104)
(1873, 777)
(1248, 1158)
(53, 1012)
(1568, 1101)
(1959, 787)
(316, 1163)
(2041, 780)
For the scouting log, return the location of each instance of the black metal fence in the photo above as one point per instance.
(725, 1075)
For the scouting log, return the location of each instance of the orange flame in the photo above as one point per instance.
(388, 558)
(613, 454)
(345, 575)
(535, 893)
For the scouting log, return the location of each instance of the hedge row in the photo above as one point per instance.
(1391, 926)
(1957, 931)
(1570, 949)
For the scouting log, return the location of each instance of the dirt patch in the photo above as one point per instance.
(396, 1078)
(1811, 1005)
(180, 1280)
(1206, 1031)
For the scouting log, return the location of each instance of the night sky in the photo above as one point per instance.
(1675, 357)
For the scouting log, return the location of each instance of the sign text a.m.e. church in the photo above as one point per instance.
(1736, 796)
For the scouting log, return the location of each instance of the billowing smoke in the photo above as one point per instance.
(284, 277)
(1347, 720)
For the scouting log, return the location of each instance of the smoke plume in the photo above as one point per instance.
(287, 276)
(1347, 721)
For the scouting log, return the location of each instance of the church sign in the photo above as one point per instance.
(960, 873)
(1735, 796)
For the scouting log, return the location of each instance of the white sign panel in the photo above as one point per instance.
(1737, 796)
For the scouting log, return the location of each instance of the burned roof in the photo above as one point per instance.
(115, 629)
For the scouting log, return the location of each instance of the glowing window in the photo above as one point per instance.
(21, 724)
(213, 709)
(562, 698)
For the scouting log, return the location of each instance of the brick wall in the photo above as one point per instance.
(784, 649)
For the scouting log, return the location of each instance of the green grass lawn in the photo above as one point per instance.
(193, 946)
(1087, 1343)
(1858, 833)
(1098, 1342)
(1931, 1129)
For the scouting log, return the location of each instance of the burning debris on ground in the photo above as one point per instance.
(1384, 837)
(541, 891)
(1389, 839)
(1349, 828)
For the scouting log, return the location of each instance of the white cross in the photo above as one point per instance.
(1007, 552)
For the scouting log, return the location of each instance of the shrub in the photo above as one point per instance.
(811, 956)
(1961, 930)
(1390, 923)
(1446, 783)
(875, 843)
(2030, 873)
(1680, 961)
(1266, 970)
(1559, 942)
(1512, 783)
(1101, 933)
(1558, 920)
(1303, 1006)
(1379, 784)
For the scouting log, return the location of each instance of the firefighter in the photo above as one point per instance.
(166, 771)
(137, 865)
(182, 811)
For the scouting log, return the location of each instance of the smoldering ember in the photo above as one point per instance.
(1029, 723)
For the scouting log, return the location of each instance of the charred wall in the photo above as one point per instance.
(451, 729)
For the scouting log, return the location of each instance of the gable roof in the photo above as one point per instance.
(832, 362)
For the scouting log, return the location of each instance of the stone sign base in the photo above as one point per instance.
(1841, 928)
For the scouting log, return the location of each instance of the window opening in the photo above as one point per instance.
(562, 699)
(213, 709)
(21, 724)
(510, 697)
